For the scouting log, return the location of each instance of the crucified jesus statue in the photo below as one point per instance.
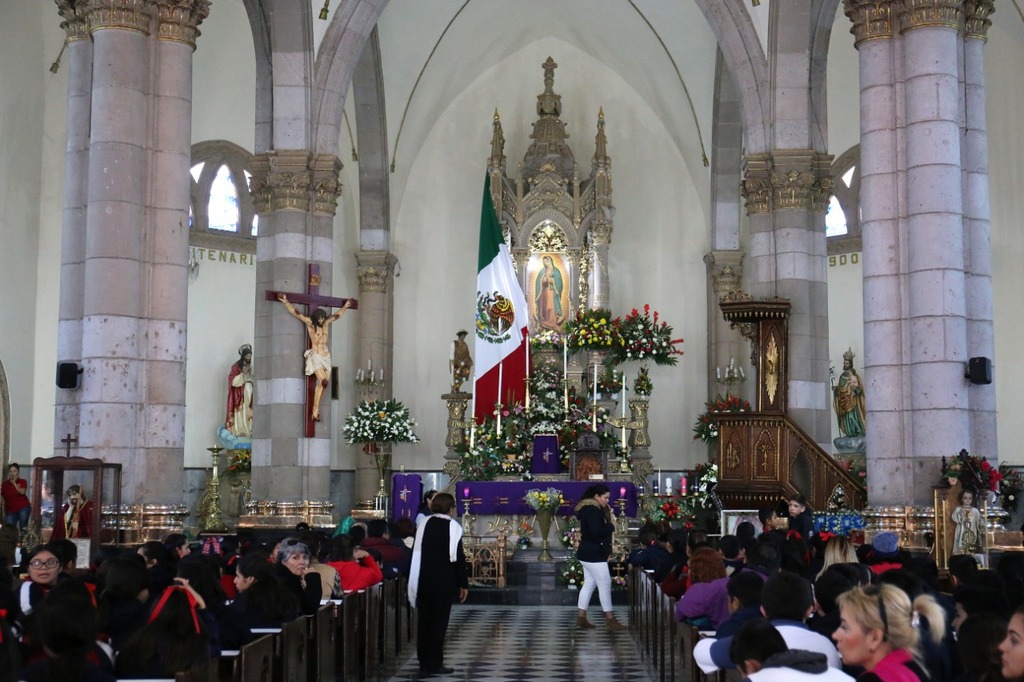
(318, 357)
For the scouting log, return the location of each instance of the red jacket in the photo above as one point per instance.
(357, 575)
(392, 554)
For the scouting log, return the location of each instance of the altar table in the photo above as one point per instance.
(506, 497)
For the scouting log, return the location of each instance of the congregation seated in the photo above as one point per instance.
(674, 569)
(394, 560)
(43, 572)
(744, 591)
(732, 553)
(175, 639)
(159, 564)
(786, 601)
(762, 655)
(65, 629)
(200, 573)
(652, 553)
(705, 604)
(291, 568)
(832, 582)
(123, 599)
(262, 601)
(356, 568)
(328, 576)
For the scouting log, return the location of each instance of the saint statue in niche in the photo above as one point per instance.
(548, 295)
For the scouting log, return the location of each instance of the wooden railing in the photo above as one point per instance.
(486, 557)
(763, 458)
(365, 637)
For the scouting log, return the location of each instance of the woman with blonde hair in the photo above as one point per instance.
(880, 631)
(838, 550)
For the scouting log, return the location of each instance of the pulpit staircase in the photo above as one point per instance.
(764, 456)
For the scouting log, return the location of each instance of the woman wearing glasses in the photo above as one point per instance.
(880, 630)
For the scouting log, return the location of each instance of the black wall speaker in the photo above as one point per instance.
(69, 375)
(979, 371)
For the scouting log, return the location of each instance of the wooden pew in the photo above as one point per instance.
(323, 645)
(256, 661)
(204, 673)
(292, 650)
(351, 631)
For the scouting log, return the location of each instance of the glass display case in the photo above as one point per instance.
(68, 494)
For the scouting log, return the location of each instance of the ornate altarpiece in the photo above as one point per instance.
(553, 219)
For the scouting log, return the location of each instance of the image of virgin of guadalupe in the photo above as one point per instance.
(547, 296)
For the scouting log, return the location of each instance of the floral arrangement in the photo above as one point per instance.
(572, 572)
(525, 530)
(570, 532)
(547, 339)
(705, 429)
(706, 476)
(667, 511)
(620, 582)
(593, 329)
(609, 382)
(645, 338)
(496, 454)
(854, 467)
(642, 385)
(544, 500)
(241, 461)
(1010, 487)
(380, 421)
(972, 472)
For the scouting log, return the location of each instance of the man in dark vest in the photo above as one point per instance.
(437, 574)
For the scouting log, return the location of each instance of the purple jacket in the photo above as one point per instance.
(705, 599)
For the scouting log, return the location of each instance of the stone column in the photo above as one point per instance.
(884, 254)
(295, 193)
(78, 62)
(786, 193)
(600, 289)
(935, 248)
(725, 274)
(977, 228)
(134, 283)
(375, 270)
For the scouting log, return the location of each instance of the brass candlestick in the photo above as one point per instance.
(213, 520)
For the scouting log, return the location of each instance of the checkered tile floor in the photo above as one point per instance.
(521, 643)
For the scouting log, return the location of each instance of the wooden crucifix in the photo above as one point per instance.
(318, 353)
(68, 440)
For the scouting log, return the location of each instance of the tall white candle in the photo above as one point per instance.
(472, 436)
(565, 374)
(501, 369)
(622, 378)
(593, 421)
(369, 365)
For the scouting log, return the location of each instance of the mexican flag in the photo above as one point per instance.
(501, 319)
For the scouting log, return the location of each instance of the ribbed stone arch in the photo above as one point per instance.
(371, 123)
(726, 161)
(5, 419)
(821, 36)
(741, 50)
(260, 28)
(350, 28)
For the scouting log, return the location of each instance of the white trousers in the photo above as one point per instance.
(596, 575)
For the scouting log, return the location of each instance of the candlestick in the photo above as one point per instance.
(622, 491)
(465, 492)
(623, 437)
(527, 396)
(595, 384)
(501, 371)
(668, 485)
(472, 436)
(369, 365)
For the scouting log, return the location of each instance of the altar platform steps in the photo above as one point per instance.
(529, 582)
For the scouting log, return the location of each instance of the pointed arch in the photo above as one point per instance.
(5, 418)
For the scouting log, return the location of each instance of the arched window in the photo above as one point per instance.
(842, 218)
(222, 215)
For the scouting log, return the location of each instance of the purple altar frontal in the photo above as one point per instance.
(506, 497)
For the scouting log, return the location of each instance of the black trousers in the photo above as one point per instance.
(433, 612)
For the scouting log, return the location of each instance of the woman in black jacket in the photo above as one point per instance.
(292, 570)
(262, 601)
(596, 529)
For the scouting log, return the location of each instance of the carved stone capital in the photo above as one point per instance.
(259, 185)
(601, 233)
(976, 21)
(757, 183)
(178, 20)
(326, 169)
(725, 269)
(289, 180)
(374, 269)
(929, 14)
(128, 15)
(75, 21)
(788, 178)
(872, 19)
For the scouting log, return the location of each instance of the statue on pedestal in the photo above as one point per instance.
(848, 401)
(970, 527)
(460, 363)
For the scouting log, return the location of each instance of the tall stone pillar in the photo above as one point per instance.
(376, 271)
(78, 63)
(882, 182)
(133, 272)
(295, 193)
(935, 248)
(977, 227)
(786, 192)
